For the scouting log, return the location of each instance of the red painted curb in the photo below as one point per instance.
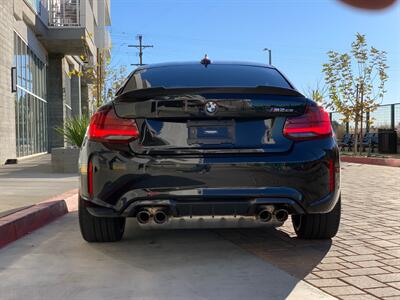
(70, 198)
(14, 226)
(20, 223)
(390, 162)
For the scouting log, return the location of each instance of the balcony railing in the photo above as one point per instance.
(64, 13)
(37, 5)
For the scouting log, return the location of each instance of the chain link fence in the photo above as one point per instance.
(384, 117)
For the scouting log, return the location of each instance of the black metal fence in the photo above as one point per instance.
(384, 117)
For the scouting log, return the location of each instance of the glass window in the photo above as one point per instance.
(29, 141)
(25, 121)
(214, 75)
(34, 73)
(17, 118)
(16, 97)
(29, 71)
(30, 103)
(41, 129)
(41, 80)
(23, 63)
(20, 122)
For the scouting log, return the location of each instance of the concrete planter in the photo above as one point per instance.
(65, 160)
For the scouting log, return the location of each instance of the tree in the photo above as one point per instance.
(106, 77)
(317, 93)
(356, 81)
(114, 77)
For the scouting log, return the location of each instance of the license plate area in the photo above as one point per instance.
(211, 132)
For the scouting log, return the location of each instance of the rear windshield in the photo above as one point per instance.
(188, 76)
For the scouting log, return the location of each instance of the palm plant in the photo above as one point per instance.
(74, 130)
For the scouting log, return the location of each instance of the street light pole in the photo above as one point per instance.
(269, 55)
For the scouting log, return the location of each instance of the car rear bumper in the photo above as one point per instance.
(221, 184)
(212, 202)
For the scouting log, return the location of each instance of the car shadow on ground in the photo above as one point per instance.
(214, 260)
(158, 264)
(281, 248)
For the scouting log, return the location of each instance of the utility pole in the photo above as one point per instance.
(140, 47)
(269, 55)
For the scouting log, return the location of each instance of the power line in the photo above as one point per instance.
(140, 47)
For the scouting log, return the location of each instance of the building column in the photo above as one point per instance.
(76, 99)
(55, 100)
(7, 98)
(84, 99)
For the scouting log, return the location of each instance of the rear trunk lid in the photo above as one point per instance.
(210, 121)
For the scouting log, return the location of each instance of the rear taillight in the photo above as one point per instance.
(105, 126)
(313, 124)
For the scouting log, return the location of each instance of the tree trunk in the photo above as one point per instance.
(355, 148)
(362, 115)
(361, 132)
(356, 119)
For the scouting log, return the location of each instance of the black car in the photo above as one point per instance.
(209, 144)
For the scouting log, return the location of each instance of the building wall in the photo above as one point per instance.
(55, 97)
(56, 45)
(7, 99)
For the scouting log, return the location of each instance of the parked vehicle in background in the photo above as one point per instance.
(209, 144)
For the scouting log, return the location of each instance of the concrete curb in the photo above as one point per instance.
(22, 222)
(70, 198)
(390, 162)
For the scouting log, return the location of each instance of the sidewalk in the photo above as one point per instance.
(30, 182)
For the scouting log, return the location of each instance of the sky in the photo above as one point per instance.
(299, 33)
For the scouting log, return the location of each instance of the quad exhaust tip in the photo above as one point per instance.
(160, 217)
(265, 215)
(281, 215)
(143, 217)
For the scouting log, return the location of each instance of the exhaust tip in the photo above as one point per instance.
(143, 217)
(160, 217)
(281, 215)
(265, 215)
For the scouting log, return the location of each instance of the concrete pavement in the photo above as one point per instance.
(55, 263)
(32, 181)
(363, 260)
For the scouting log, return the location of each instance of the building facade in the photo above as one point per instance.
(45, 46)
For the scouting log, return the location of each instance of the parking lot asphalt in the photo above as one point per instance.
(55, 263)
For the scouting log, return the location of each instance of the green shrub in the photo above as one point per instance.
(74, 130)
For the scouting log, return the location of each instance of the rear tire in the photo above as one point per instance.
(95, 229)
(318, 226)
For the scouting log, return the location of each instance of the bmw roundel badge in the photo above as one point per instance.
(211, 108)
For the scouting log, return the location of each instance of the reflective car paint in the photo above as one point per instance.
(253, 165)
